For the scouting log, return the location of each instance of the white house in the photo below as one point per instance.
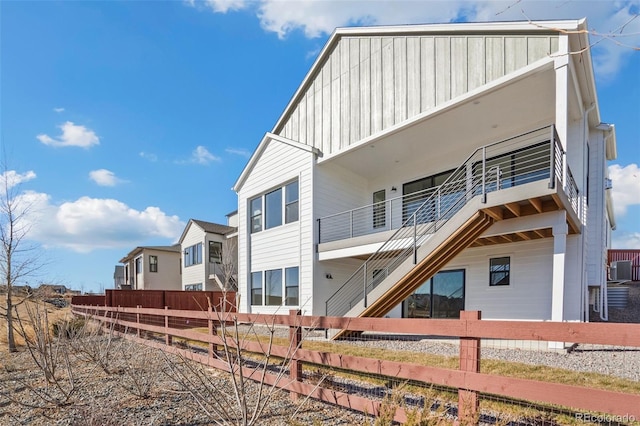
(152, 268)
(209, 255)
(423, 169)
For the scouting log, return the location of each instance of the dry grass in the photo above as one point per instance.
(54, 314)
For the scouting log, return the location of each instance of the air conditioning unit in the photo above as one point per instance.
(622, 270)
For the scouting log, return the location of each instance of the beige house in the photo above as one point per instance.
(209, 255)
(152, 268)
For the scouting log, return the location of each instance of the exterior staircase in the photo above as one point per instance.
(450, 220)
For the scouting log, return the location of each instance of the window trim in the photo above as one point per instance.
(253, 289)
(287, 286)
(192, 255)
(264, 297)
(295, 202)
(153, 263)
(506, 272)
(259, 216)
(219, 244)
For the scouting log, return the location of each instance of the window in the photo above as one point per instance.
(291, 283)
(291, 203)
(275, 204)
(417, 192)
(273, 209)
(256, 214)
(193, 255)
(215, 252)
(193, 287)
(153, 263)
(273, 287)
(499, 271)
(379, 209)
(138, 265)
(256, 288)
(271, 284)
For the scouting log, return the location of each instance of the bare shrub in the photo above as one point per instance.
(94, 342)
(50, 355)
(251, 378)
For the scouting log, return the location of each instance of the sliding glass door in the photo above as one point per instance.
(439, 297)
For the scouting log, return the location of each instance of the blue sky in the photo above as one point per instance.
(122, 120)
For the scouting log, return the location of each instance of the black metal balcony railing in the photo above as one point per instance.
(534, 156)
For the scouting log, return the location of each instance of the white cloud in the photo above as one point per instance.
(626, 240)
(12, 178)
(219, 6)
(319, 17)
(59, 109)
(72, 135)
(88, 224)
(200, 155)
(238, 151)
(148, 156)
(104, 177)
(626, 187)
(224, 6)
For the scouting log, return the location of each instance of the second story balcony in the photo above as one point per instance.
(533, 166)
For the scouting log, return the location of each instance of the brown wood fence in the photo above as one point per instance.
(467, 378)
(615, 255)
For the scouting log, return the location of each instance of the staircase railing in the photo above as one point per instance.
(530, 157)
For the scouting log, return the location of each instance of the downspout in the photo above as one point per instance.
(604, 311)
(584, 295)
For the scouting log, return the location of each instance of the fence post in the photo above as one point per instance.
(295, 338)
(138, 321)
(212, 332)
(167, 337)
(468, 402)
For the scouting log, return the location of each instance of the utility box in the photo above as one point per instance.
(621, 270)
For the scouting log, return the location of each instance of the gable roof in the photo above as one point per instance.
(139, 249)
(268, 137)
(208, 227)
(475, 28)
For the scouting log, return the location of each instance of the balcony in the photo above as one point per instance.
(536, 156)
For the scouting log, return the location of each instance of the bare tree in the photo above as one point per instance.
(18, 257)
(229, 265)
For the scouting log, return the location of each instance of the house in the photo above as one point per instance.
(423, 169)
(209, 253)
(152, 268)
(118, 276)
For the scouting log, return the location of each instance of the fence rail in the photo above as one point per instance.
(467, 379)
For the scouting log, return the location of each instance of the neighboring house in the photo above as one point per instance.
(152, 268)
(118, 277)
(209, 255)
(423, 169)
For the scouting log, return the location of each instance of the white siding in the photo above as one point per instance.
(368, 84)
(194, 274)
(595, 232)
(284, 246)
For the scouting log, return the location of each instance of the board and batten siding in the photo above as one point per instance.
(368, 84)
(288, 245)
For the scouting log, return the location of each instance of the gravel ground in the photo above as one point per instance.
(143, 395)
